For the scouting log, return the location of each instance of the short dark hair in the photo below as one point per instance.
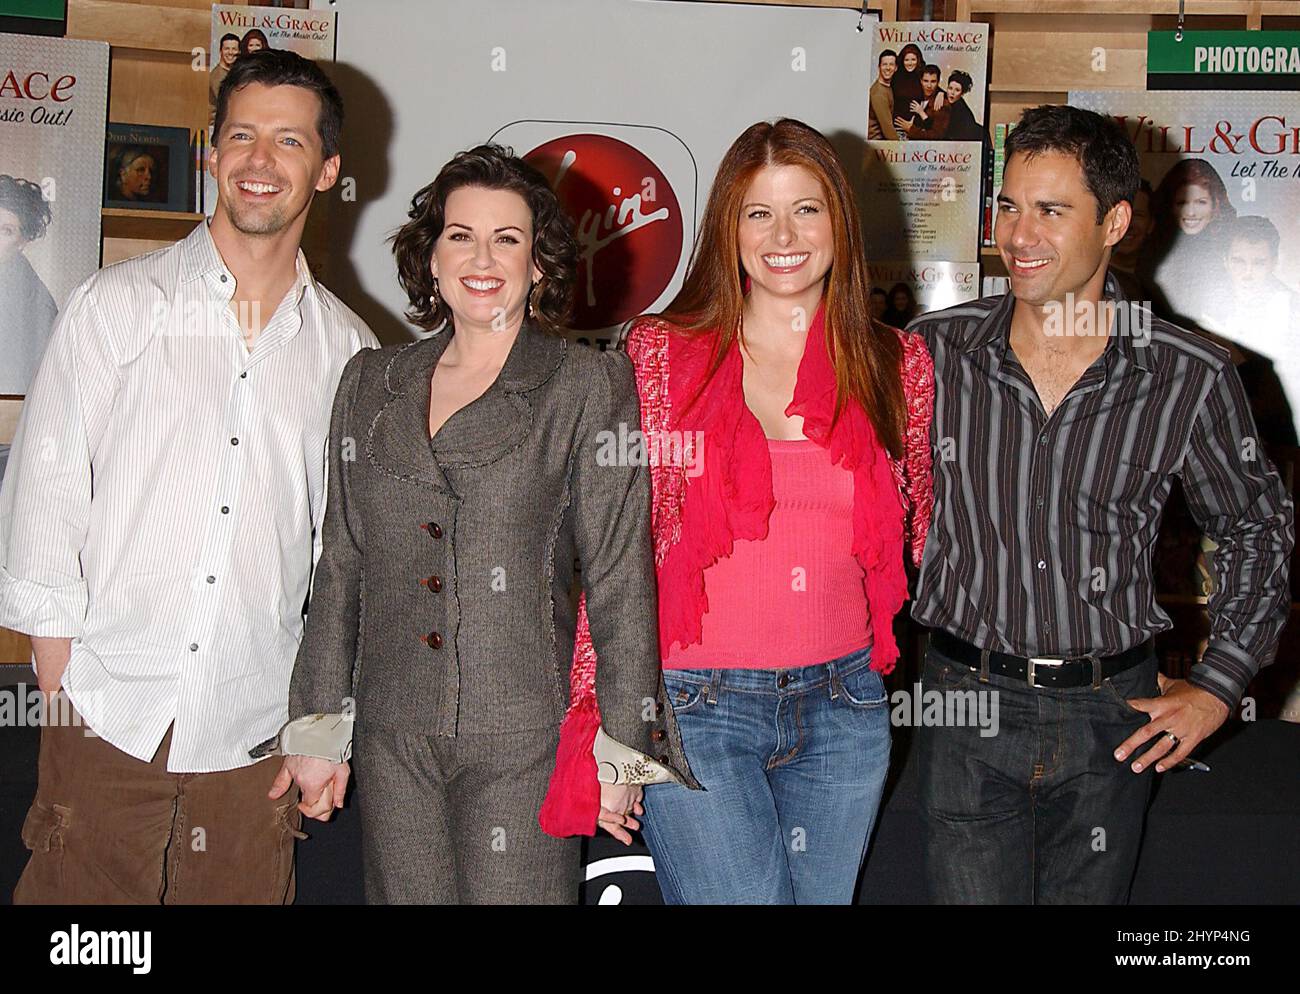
(932, 70)
(1255, 229)
(25, 199)
(962, 79)
(280, 67)
(554, 249)
(227, 37)
(890, 52)
(1107, 156)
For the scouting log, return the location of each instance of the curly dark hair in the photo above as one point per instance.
(24, 198)
(555, 250)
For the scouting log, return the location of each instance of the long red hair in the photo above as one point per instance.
(866, 355)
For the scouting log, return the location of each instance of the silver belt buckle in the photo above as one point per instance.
(1036, 661)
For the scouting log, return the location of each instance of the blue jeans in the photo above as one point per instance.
(792, 762)
(1040, 813)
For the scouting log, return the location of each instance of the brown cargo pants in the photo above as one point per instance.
(106, 828)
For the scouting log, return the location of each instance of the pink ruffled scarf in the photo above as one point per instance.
(732, 498)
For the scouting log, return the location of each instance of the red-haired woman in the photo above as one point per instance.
(1185, 267)
(788, 436)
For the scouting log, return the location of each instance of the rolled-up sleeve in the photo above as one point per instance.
(1236, 496)
(45, 501)
(610, 490)
(322, 672)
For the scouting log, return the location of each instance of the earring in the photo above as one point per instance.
(434, 299)
(532, 311)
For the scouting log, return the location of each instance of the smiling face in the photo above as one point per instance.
(1047, 231)
(910, 61)
(483, 259)
(11, 235)
(1193, 207)
(888, 66)
(268, 159)
(254, 45)
(785, 237)
(929, 83)
(229, 52)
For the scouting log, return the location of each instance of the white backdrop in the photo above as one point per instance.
(630, 90)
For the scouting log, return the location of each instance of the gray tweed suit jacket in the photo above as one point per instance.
(441, 601)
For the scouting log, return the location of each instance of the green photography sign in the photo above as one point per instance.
(1223, 60)
(36, 17)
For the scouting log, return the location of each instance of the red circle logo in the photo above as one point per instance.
(627, 220)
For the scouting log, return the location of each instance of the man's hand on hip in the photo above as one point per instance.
(1180, 719)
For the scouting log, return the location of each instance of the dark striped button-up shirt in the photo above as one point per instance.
(1043, 526)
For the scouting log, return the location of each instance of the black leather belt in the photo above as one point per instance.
(1042, 671)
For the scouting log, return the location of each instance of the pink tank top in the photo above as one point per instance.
(796, 597)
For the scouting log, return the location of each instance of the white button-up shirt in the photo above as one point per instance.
(163, 500)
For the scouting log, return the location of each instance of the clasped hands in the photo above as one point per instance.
(323, 784)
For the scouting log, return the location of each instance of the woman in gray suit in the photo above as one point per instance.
(464, 481)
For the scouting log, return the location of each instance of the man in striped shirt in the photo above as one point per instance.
(158, 521)
(1062, 414)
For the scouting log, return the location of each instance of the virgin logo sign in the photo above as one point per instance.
(628, 221)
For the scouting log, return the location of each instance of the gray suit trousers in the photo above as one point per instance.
(453, 820)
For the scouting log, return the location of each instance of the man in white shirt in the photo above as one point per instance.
(158, 525)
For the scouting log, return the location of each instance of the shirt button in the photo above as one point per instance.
(658, 735)
(434, 640)
(783, 680)
(434, 583)
(225, 509)
(1038, 502)
(243, 376)
(1042, 564)
(1042, 439)
(223, 277)
(194, 647)
(234, 441)
(433, 528)
(212, 579)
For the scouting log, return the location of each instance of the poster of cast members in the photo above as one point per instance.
(55, 94)
(902, 290)
(925, 140)
(240, 30)
(1213, 244)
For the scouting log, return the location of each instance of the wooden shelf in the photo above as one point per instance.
(1192, 8)
(15, 648)
(122, 222)
(179, 27)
